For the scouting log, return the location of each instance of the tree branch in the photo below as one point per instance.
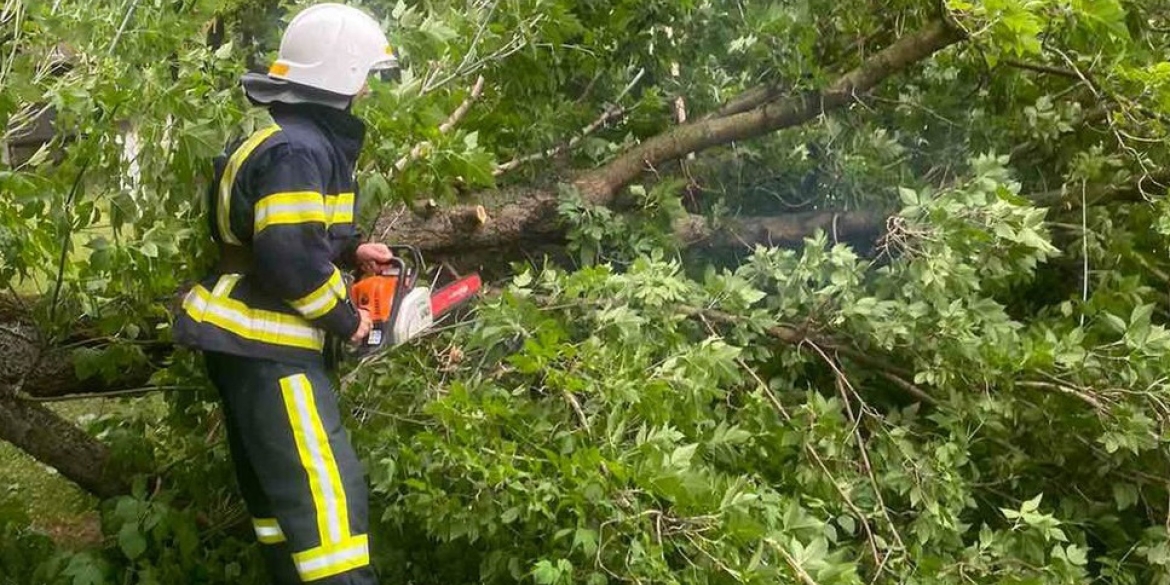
(535, 215)
(609, 114)
(416, 152)
(56, 442)
(1141, 189)
(600, 185)
(748, 100)
(790, 230)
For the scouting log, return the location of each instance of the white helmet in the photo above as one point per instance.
(332, 47)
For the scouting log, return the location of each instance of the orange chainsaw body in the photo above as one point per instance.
(399, 307)
(375, 295)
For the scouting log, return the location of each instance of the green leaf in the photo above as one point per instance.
(1076, 555)
(546, 573)
(1031, 505)
(586, 540)
(131, 541)
(681, 457)
(1125, 495)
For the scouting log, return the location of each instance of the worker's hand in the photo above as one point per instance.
(371, 257)
(363, 329)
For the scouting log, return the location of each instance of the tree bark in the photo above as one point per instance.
(784, 230)
(56, 442)
(31, 365)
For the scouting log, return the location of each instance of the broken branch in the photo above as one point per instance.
(609, 114)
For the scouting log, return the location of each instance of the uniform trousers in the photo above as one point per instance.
(300, 478)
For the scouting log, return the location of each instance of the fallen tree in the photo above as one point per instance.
(33, 368)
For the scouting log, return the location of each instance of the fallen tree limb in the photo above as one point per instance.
(30, 365)
(782, 230)
(56, 442)
(534, 214)
(600, 185)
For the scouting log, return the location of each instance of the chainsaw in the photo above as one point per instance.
(399, 306)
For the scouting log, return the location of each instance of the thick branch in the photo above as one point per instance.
(533, 215)
(600, 185)
(783, 230)
(53, 441)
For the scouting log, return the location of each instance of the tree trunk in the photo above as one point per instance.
(56, 442)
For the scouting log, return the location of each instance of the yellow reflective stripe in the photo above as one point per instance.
(317, 458)
(339, 551)
(329, 560)
(216, 308)
(322, 300)
(223, 210)
(289, 208)
(268, 530)
(339, 208)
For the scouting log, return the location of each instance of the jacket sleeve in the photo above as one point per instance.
(347, 239)
(344, 232)
(290, 244)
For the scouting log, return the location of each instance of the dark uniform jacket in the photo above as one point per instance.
(282, 209)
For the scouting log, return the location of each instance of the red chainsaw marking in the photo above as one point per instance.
(453, 294)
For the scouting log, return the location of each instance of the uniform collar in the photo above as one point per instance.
(346, 131)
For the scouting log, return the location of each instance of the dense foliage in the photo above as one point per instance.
(977, 396)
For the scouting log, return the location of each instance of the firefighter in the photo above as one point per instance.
(282, 212)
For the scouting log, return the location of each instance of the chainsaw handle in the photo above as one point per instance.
(416, 259)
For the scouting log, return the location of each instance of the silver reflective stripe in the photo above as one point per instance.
(229, 310)
(357, 551)
(266, 328)
(320, 470)
(306, 212)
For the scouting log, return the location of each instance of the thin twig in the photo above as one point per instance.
(1084, 249)
(576, 404)
(122, 28)
(65, 243)
(416, 152)
(1070, 391)
(796, 568)
(1042, 68)
(103, 395)
(471, 50)
(610, 113)
(878, 558)
(843, 383)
